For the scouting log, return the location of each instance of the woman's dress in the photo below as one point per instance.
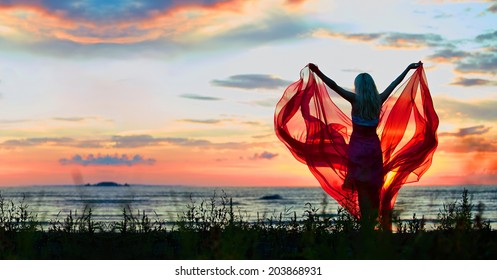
(340, 152)
(365, 162)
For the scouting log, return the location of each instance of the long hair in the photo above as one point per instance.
(368, 102)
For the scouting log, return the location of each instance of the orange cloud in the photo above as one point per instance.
(36, 21)
(181, 23)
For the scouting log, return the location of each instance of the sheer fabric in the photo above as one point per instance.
(318, 133)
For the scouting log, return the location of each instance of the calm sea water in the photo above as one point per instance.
(168, 202)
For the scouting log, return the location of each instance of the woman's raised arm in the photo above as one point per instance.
(385, 94)
(347, 95)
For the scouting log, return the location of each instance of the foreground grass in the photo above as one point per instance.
(212, 229)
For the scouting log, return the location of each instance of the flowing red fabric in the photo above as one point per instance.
(317, 133)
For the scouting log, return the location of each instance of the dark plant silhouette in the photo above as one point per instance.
(214, 229)
(16, 217)
(458, 215)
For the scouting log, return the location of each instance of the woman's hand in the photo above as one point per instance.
(414, 65)
(313, 67)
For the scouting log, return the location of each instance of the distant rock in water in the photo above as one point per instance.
(271, 197)
(107, 184)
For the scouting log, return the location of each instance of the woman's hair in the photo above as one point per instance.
(368, 102)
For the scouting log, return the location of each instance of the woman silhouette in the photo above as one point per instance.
(365, 166)
(362, 172)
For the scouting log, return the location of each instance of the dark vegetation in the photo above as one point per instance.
(213, 229)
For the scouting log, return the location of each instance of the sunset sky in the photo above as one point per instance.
(183, 92)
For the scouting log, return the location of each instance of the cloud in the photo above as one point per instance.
(30, 142)
(482, 60)
(205, 144)
(408, 40)
(92, 143)
(254, 123)
(443, 15)
(69, 119)
(492, 36)
(114, 22)
(468, 145)
(262, 136)
(479, 62)
(136, 141)
(252, 81)
(226, 120)
(448, 108)
(447, 55)
(200, 97)
(97, 11)
(117, 27)
(107, 160)
(467, 131)
(52, 141)
(14, 121)
(81, 119)
(365, 37)
(473, 82)
(206, 121)
(389, 39)
(264, 155)
(125, 142)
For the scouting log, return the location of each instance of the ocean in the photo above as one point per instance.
(107, 203)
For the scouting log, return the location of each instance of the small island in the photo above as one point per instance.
(107, 184)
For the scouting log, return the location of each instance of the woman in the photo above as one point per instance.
(365, 166)
(362, 172)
